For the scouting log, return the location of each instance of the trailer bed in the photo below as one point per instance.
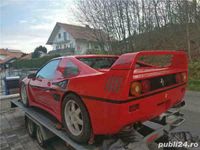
(48, 122)
(148, 131)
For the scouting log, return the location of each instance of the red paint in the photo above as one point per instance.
(106, 117)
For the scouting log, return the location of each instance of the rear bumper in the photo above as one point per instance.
(110, 118)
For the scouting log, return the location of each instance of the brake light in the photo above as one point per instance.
(146, 86)
(181, 77)
(136, 88)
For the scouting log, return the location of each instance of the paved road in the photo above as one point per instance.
(192, 113)
(13, 135)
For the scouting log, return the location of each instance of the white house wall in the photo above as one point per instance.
(59, 41)
(81, 47)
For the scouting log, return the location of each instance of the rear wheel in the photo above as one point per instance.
(76, 119)
(24, 96)
(31, 127)
(39, 137)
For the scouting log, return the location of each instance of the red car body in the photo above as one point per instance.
(106, 92)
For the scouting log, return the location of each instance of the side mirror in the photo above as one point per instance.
(31, 76)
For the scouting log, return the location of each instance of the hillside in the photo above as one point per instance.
(171, 37)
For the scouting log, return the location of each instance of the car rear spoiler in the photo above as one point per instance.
(127, 61)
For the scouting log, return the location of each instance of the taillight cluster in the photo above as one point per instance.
(140, 87)
(143, 86)
(181, 77)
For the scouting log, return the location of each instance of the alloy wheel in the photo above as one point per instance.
(73, 117)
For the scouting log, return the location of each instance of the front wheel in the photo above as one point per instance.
(76, 119)
(23, 94)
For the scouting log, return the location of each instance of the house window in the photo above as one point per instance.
(96, 46)
(2, 57)
(65, 35)
(59, 35)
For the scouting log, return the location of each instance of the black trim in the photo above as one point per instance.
(56, 97)
(128, 100)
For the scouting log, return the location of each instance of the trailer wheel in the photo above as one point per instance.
(31, 127)
(23, 94)
(76, 119)
(39, 137)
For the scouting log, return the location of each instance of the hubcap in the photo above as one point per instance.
(73, 117)
(23, 95)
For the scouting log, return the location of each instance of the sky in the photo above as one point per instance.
(26, 24)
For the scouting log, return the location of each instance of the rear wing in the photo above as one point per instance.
(128, 61)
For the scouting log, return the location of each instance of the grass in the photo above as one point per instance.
(194, 85)
(194, 75)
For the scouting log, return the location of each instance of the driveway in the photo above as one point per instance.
(192, 113)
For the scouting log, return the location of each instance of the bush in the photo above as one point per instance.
(194, 75)
(194, 70)
(32, 63)
(38, 50)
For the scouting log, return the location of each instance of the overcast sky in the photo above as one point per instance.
(26, 24)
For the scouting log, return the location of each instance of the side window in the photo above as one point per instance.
(48, 71)
(59, 35)
(70, 70)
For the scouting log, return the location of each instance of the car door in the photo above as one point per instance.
(66, 70)
(41, 86)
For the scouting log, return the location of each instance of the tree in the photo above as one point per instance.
(38, 50)
(126, 20)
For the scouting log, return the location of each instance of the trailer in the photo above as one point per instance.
(44, 127)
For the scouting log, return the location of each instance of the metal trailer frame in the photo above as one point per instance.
(159, 127)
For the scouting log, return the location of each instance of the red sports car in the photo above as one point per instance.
(102, 94)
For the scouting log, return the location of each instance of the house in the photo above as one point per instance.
(8, 56)
(77, 39)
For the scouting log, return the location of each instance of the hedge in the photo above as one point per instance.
(32, 63)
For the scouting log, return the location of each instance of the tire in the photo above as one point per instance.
(75, 119)
(39, 137)
(31, 127)
(24, 96)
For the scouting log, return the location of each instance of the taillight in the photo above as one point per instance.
(184, 77)
(146, 86)
(136, 89)
(178, 78)
(181, 77)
